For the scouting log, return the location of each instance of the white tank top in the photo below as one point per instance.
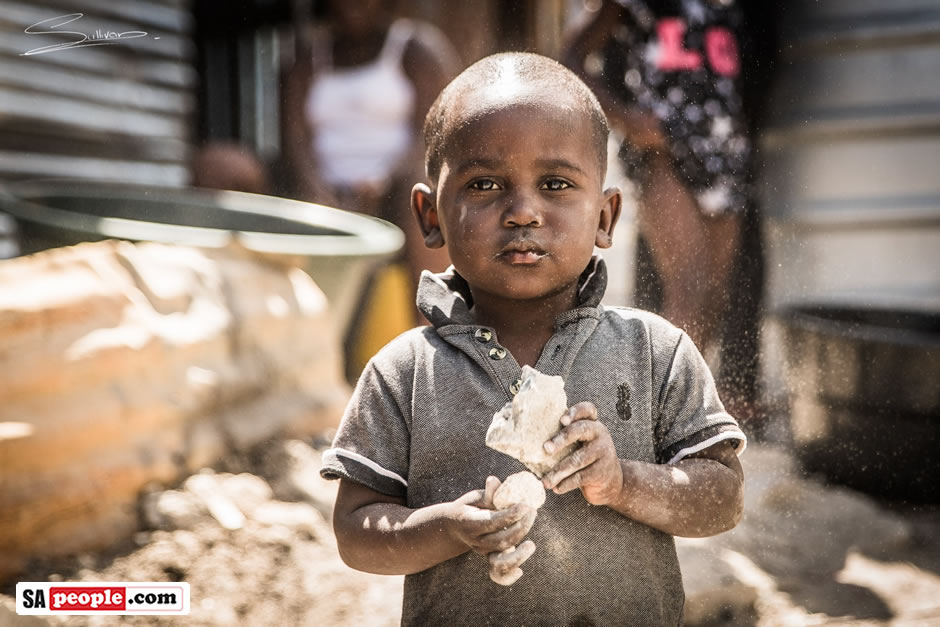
(362, 116)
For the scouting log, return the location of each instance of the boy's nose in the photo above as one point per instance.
(522, 210)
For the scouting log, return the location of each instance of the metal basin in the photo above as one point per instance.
(865, 397)
(338, 248)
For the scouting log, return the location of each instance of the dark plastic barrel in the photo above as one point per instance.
(338, 248)
(865, 397)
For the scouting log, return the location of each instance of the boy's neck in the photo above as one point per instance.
(523, 326)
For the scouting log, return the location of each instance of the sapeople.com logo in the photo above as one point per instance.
(122, 598)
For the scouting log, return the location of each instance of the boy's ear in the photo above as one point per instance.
(610, 213)
(425, 211)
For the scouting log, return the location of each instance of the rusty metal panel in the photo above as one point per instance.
(96, 89)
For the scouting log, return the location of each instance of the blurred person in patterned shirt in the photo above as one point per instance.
(668, 73)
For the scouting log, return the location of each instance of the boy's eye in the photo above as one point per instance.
(484, 185)
(556, 185)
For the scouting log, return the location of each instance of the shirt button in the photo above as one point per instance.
(483, 335)
(515, 386)
(497, 352)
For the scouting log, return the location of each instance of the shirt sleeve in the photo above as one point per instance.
(372, 443)
(692, 417)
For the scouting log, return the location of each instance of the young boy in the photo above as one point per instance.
(516, 153)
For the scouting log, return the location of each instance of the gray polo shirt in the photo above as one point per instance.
(416, 424)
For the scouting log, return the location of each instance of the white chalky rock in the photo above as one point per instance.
(522, 427)
(522, 487)
(507, 579)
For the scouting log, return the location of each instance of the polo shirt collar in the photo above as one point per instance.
(445, 299)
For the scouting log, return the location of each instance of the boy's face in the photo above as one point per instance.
(519, 200)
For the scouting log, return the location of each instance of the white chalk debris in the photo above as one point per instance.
(522, 487)
(525, 488)
(522, 427)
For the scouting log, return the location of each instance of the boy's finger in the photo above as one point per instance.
(554, 480)
(473, 497)
(585, 410)
(492, 520)
(491, 484)
(482, 499)
(577, 460)
(511, 514)
(506, 537)
(505, 561)
(571, 482)
(580, 431)
(499, 540)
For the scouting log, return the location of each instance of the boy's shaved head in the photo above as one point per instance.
(507, 79)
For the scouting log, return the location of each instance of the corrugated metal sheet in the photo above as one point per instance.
(851, 183)
(118, 110)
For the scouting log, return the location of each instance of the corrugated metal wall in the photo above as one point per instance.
(116, 111)
(851, 183)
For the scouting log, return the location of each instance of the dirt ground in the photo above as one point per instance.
(831, 557)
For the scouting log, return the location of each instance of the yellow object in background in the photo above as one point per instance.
(388, 309)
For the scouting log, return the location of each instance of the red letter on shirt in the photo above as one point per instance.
(672, 55)
(722, 50)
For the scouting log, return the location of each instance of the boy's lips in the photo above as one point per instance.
(522, 253)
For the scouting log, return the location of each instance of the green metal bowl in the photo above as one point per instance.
(339, 248)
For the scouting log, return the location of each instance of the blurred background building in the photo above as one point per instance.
(849, 146)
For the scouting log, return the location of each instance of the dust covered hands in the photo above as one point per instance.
(380, 534)
(593, 466)
(698, 496)
(500, 546)
(485, 529)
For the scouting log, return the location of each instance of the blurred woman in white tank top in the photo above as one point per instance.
(363, 116)
(354, 104)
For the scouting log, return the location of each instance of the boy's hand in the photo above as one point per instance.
(594, 466)
(487, 530)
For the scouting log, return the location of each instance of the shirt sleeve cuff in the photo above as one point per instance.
(342, 463)
(702, 440)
